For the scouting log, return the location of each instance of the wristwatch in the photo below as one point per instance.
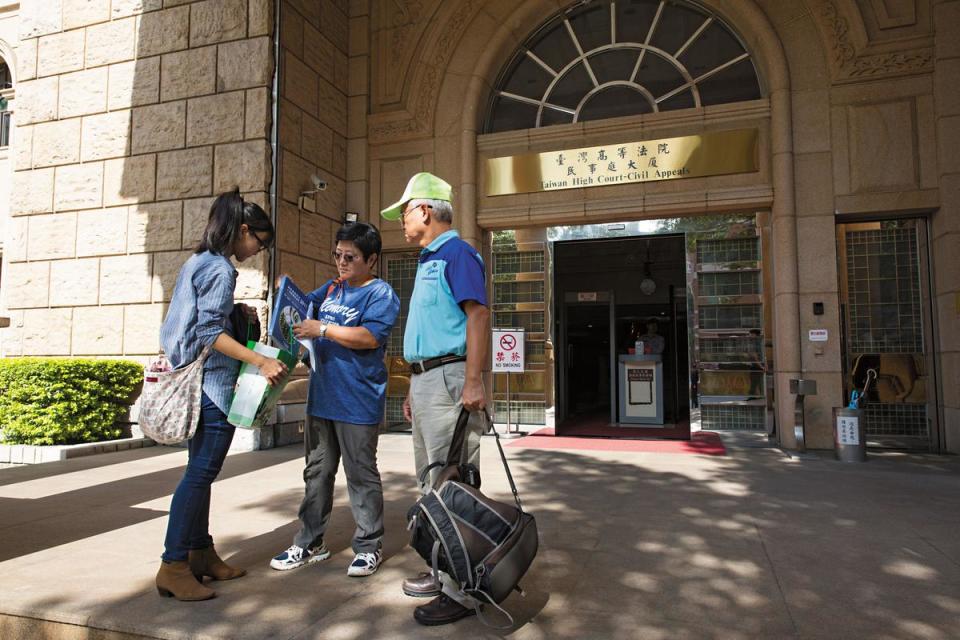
(323, 330)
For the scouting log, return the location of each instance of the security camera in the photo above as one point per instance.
(318, 184)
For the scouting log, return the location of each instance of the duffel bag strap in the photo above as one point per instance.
(506, 467)
(445, 532)
(483, 599)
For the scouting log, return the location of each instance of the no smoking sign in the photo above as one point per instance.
(508, 350)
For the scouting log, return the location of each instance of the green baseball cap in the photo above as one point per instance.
(422, 186)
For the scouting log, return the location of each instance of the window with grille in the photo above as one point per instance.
(731, 316)
(400, 270)
(6, 82)
(5, 117)
(513, 292)
(518, 300)
(729, 338)
(605, 59)
(510, 262)
(530, 321)
(401, 273)
(736, 283)
(883, 280)
(521, 411)
(733, 250)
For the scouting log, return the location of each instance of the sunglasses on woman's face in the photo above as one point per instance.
(348, 257)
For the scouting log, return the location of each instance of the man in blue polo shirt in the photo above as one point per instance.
(445, 342)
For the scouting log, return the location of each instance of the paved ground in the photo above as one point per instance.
(633, 545)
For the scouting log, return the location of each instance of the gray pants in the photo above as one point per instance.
(435, 403)
(324, 442)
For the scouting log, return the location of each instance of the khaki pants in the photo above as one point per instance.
(435, 403)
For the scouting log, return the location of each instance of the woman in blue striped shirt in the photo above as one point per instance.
(199, 315)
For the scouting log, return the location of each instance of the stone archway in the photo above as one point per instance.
(483, 39)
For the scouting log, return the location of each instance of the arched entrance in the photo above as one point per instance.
(651, 113)
(469, 45)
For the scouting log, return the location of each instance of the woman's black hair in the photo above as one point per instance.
(227, 213)
(364, 236)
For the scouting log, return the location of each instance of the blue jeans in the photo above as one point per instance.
(189, 523)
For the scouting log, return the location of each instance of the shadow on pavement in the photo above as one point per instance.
(657, 546)
(31, 525)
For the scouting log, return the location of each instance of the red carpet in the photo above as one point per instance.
(701, 442)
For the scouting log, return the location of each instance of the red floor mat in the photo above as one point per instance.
(701, 442)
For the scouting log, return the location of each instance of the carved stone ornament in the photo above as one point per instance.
(848, 65)
(417, 119)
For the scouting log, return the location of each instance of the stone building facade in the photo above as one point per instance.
(131, 114)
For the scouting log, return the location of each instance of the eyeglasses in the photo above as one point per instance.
(348, 257)
(260, 243)
(412, 209)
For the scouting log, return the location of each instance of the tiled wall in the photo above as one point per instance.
(313, 135)
(132, 115)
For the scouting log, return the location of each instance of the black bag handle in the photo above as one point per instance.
(457, 450)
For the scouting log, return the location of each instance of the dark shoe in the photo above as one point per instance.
(441, 610)
(423, 586)
(206, 562)
(177, 581)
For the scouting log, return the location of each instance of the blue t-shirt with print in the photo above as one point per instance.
(450, 273)
(350, 385)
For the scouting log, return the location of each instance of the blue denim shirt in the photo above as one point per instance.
(199, 312)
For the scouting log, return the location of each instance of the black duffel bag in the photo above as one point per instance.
(485, 546)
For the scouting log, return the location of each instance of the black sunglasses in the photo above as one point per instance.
(349, 257)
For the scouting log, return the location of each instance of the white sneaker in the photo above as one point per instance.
(365, 564)
(297, 557)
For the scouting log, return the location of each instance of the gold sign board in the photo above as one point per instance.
(708, 154)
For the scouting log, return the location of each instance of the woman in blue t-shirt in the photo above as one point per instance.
(356, 313)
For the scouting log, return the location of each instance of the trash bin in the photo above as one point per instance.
(849, 438)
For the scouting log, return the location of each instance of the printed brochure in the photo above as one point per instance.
(291, 308)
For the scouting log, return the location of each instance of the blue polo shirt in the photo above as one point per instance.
(450, 273)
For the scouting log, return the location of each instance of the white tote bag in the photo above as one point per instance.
(170, 405)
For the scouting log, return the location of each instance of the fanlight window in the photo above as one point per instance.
(604, 59)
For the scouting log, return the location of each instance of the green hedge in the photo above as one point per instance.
(64, 401)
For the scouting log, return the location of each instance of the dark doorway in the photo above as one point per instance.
(608, 292)
(588, 359)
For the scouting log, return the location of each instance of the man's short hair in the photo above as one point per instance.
(364, 236)
(442, 210)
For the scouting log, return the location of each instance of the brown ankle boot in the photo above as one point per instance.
(206, 562)
(176, 580)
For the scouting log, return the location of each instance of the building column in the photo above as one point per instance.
(358, 99)
(945, 223)
(786, 309)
